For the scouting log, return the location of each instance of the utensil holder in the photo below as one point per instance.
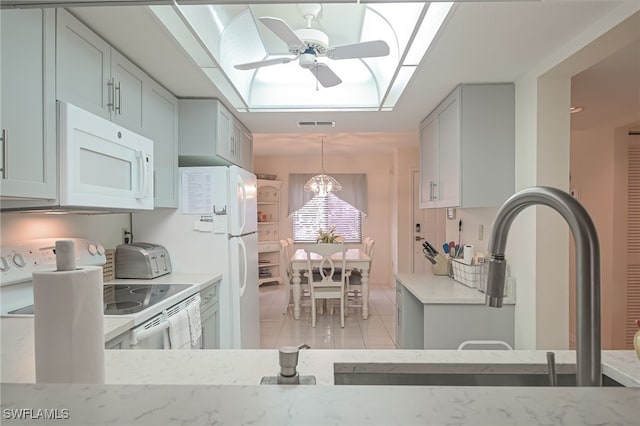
(442, 265)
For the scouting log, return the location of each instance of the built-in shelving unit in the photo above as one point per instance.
(269, 231)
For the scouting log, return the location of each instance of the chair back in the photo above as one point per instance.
(290, 248)
(330, 272)
(368, 250)
(285, 261)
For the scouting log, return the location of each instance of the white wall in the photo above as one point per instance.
(105, 228)
(471, 220)
(539, 261)
(377, 224)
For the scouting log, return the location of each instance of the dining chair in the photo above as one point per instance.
(287, 277)
(354, 277)
(330, 281)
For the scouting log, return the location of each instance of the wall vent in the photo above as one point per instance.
(316, 123)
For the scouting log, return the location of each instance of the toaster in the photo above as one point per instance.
(142, 260)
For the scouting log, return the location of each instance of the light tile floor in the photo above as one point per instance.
(279, 328)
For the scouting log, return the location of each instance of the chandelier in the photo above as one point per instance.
(322, 184)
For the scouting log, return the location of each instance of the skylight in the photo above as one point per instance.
(221, 37)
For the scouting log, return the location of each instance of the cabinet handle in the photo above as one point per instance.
(118, 106)
(430, 190)
(435, 190)
(112, 94)
(5, 152)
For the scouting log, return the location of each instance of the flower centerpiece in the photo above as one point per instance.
(329, 237)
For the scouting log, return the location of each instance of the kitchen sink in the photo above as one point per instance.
(454, 375)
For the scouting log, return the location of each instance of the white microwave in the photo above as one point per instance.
(102, 167)
(101, 164)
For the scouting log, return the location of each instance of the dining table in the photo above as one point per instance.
(355, 258)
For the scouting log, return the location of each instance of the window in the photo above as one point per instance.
(325, 212)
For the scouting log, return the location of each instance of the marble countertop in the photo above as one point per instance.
(219, 387)
(433, 290)
(319, 405)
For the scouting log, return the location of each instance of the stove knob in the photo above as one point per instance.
(100, 248)
(92, 249)
(4, 266)
(18, 259)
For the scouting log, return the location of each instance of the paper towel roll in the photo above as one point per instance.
(69, 326)
(467, 254)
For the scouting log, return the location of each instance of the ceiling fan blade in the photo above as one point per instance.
(366, 49)
(325, 75)
(284, 32)
(267, 62)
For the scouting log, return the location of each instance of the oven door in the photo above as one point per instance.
(154, 333)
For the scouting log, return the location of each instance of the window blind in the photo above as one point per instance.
(323, 213)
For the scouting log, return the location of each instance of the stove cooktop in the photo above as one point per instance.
(125, 299)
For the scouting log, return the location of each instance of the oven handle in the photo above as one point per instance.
(141, 333)
(145, 333)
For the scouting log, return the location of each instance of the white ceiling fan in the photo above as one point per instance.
(307, 44)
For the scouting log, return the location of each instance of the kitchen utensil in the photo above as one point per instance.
(432, 249)
(445, 248)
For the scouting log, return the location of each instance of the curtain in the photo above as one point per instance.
(354, 190)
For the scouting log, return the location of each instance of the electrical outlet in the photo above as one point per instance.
(480, 232)
(126, 236)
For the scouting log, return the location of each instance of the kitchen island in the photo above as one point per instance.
(436, 312)
(221, 387)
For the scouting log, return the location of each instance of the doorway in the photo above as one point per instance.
(427, 225)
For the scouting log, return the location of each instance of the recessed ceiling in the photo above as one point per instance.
(308, 57)
(481, 42)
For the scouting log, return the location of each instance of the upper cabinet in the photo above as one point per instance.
(210, 135)
(27, 95)
(95, 77)
(160, 124)
(467, 148)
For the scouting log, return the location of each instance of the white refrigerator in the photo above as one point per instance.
(215, 231)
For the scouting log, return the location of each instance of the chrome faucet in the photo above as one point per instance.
(588, 371)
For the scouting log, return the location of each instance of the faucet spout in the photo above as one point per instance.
(587, 270)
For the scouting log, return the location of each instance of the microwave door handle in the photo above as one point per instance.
(141, 174)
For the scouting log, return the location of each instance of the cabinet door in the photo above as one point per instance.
(209, 320)
(160, 120)
(225, 133)
(428, 162)
(128, 82)
(83, 62)
(449, 153)
(246, 149)
(27, 94)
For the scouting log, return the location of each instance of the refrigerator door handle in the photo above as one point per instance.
(243, 211)
(245, 267)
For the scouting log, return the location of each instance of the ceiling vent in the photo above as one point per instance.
(316, 123)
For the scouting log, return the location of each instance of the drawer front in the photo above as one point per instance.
(208, 296)
(271, 246)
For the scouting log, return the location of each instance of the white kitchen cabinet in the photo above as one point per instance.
(122, 341)
(467, 148)
(210, 135)
(269, 231)
(209, 317)
(160, 124)
(95, 77)
(27, 95)
(425, 324)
